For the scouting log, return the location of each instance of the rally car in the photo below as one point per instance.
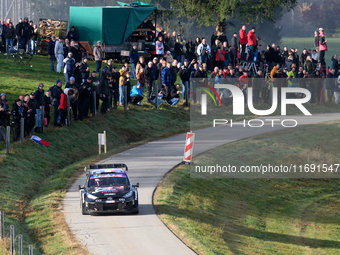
(108, 189)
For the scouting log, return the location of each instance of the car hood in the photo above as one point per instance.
(102, 192)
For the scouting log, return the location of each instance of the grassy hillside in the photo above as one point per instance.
(34, 178)
(258, 216)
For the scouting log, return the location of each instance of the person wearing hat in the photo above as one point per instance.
(24, 33)
(108, 68)
(59, 53)
(85, 69)
(73, 34)
(166, 77)
(39, 100)
(68, 65)
(322, 47)
(74, 102)
(104, 92)
(50, 51)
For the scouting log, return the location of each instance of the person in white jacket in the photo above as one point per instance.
(59, 53)
(203, 51)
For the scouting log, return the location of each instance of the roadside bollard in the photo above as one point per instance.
(8, 138)
(94, 103)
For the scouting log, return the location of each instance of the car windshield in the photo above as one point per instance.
(108, 180)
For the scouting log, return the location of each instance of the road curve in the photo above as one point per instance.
(145, 233)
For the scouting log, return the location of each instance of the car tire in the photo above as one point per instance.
(84, 210)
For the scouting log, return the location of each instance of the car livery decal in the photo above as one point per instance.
(107, 176)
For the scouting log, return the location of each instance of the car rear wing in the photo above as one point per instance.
(104, 166)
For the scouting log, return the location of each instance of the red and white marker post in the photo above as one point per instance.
(189, 147)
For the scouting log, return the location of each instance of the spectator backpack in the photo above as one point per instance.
(51, 95)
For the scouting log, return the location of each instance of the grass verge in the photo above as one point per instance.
(258, 216)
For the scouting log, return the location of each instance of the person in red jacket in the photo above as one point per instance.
(243, 84)
(251, 43)
(243, 41)
(63, 105)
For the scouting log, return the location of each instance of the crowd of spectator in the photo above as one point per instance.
(176, 58)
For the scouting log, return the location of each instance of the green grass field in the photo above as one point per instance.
(258, 216)
(301, 43)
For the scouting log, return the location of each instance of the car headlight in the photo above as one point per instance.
(89, 196)
(129, 194)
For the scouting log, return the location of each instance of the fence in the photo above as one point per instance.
(13, 248)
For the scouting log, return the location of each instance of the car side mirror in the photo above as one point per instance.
(80, 187)
(136, 186)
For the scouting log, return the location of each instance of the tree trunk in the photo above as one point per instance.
(221, 26)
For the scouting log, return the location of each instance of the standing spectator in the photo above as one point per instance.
(234, 48)
(56, 92)
(66, 47)
(33, 107)
(243, 41)
(155, 72)
(214, 48)
(127, 84)
(59, 54)
(184, 74)
(213, 38)
(308, 65)
(178, 51)
(252, 42)
(108, 68)
(335, 64)
(149, 77)
(140, 65)
(141, 79)
(63, 105)
(197, 43)
(171, 45)
(191, 50)
(104, 92)
(40, 104)
(166, 77)
(34, 38)
(17, 113)
(203, 51)
(17, 28)
(330, 84)
(85, 70)
(223, 38)
(73, 34)
(322, 46)
(4, 101)
(50, 51)
(10, 36)
(24, 33)
(75, 49)
(72, 85)
(122, 79)
(159, 46)
(133, 60)
(303, 57)
(84, 93)
(184, 51)
(3, 120)
(316, 44)
(68, 66)
(3, 29)
(98, 56)
(115, 87)
(174, 95)
(136, 95)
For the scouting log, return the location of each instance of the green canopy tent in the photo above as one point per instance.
(111, 25)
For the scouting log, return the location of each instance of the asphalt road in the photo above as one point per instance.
(145, 233)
